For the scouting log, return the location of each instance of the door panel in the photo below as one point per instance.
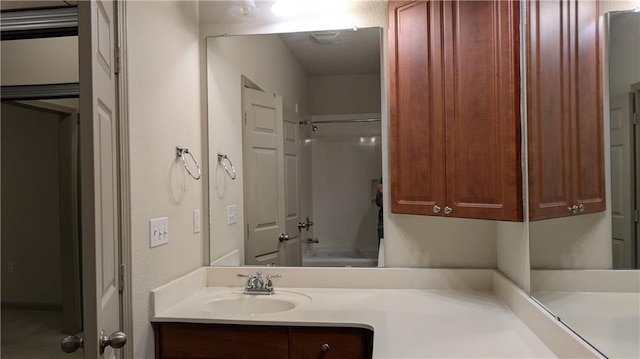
(417, 146)
(483, 109)
(290, 250)
(549, 128)
(264, 169)
(588, 132)
(622, 191)
(99, 171)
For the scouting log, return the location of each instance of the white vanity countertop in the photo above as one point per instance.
(407, 323)
(608, 320)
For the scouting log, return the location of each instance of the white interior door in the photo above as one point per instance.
(263, 173)
(98, 175)
(290, 251)
(622, 184)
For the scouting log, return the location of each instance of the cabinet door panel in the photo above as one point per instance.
(416, 107)
(482, 87)
(548, 116)
(589, 150)
(342, 343)
(182, 340)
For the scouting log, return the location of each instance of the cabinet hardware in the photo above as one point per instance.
(325, 347)
(447, 210)
(436, 209)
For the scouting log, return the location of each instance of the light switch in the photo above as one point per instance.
(232, 214)
(158, 231)
(196, 221)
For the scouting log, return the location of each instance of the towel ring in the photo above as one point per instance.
(180, 153)
(221, 160)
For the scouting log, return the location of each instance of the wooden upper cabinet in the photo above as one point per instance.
(564, 109)
(455, 119)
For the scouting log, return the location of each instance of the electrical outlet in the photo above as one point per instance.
(196, 221)
(10, 267)
(158, 231)
(232, 214)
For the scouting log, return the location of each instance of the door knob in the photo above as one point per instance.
(71, 343)
(283, 237)
(116, 340)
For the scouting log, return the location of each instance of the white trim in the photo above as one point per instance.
(126, 256)
(560, 339)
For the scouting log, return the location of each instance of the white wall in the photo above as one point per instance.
(163, 59)
(346, 158)
(344, 94)
(624, 55)
(267, 62)
(40, 61)
(30, 206)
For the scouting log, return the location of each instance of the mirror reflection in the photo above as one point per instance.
(295, 148)
(572, 257)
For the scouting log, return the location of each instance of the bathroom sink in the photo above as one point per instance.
(238, 303)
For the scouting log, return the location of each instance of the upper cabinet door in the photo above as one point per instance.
(564, 109)
(417, 107)
(482, 88)
(548, 115)
(455, 121)
(589, 189)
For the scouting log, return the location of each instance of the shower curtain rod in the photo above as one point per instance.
(340, 121)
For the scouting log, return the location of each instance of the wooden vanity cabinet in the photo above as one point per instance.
(564, 108)
(455, 135)
(217, 341)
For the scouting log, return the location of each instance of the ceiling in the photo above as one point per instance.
(355, 52)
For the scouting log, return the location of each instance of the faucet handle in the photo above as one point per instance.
(269, 276)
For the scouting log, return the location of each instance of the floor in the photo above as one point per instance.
(607, 320)
(33, 334)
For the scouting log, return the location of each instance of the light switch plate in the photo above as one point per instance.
(197, 221)
(158, 231)
(232, 214)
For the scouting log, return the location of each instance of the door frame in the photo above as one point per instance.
(635, 111)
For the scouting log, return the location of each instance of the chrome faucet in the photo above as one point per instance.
(256, 284)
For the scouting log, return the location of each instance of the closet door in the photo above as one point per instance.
(588, 180)
(417, 149)
(548, 109)
(482, 92)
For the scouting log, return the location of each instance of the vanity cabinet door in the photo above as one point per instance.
(564, 109)
(454, 109)
(327, 343)
(211, 341)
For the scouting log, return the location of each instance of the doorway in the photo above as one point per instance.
(41, 276)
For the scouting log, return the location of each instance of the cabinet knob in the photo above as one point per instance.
(447, 210)
(581, 207)
(325, 347)
(436, 209)
(573, 209)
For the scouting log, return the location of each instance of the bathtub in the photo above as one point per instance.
(340, 258)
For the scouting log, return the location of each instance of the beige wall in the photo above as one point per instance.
(40, 61)
(164, 111)
(330, 95)
(30, 206)
(624, 53)
(267, 62)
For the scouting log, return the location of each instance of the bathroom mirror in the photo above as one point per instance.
(584, 268)
(295, 160)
